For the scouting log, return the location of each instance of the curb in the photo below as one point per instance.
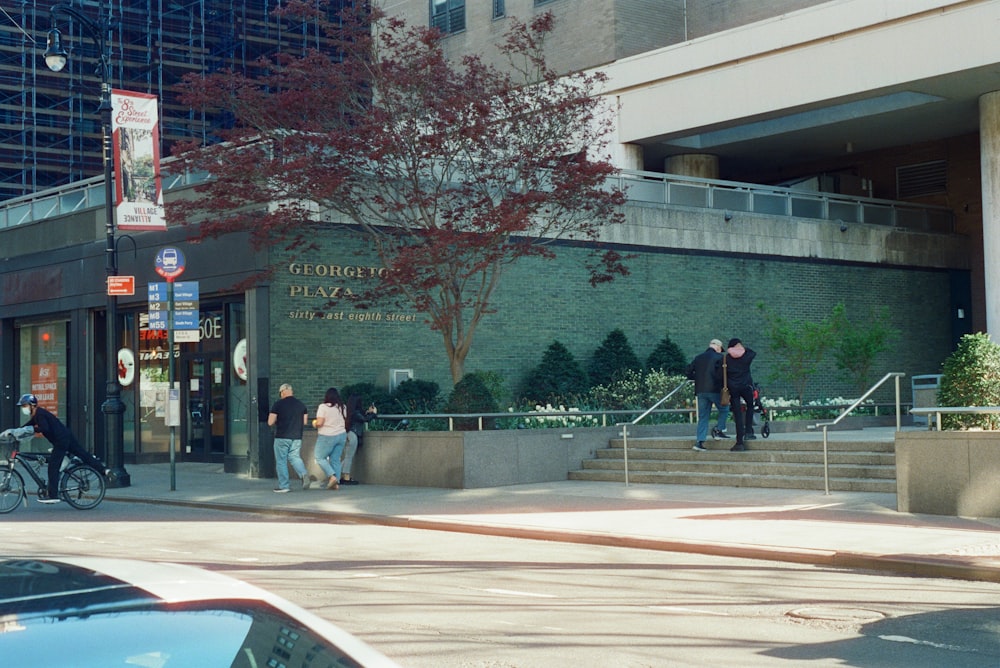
(916, 566)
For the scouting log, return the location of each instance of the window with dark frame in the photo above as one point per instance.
(448, 16)
(499, 10)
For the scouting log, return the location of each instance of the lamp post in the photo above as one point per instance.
(55, 58)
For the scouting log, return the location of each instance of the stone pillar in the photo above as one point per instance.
(989, 157)
(628, 156)
(699, 165)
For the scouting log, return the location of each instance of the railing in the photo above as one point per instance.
(77, 196)
(937, 411)
(479, 417)
(639, 186)
(678, 190)
(624, 425)
(825, 425)
(690, 413)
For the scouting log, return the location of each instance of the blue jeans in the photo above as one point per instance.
(286, 451)
(328, 451)
(705, 403)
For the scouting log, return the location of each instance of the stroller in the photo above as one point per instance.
(761, 416)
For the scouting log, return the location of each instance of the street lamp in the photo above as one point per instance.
(55, 59)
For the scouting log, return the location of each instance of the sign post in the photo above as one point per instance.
(169, 264)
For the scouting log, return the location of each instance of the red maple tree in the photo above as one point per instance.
(452, 170)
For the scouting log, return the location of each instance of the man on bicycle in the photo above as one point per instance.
(48, 425)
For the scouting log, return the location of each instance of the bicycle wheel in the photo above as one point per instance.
(11, 489)
(82, 487)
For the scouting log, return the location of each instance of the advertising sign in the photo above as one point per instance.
(135, 136)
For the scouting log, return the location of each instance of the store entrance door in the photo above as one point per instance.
(204, 391)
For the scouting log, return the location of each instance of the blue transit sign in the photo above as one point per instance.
(186, 306)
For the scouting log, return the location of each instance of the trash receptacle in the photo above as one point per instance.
(924, 392)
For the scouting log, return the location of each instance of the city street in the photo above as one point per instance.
(447, 599)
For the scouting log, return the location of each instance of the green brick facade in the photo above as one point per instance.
(692, 296)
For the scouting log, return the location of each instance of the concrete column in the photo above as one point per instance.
(989, 157)
(628, 156)
(699, 165)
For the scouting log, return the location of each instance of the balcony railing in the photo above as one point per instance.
(676, 190)
(652, 187)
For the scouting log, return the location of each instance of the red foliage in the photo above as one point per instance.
(452, 170)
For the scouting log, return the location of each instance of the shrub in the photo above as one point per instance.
(667, 357)
(471, 396)
(369, 393)
(415, 396)
(558, 377)
(613, 357)
(635, 390)
(971, 377)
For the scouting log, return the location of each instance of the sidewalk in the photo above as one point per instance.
(842, 529)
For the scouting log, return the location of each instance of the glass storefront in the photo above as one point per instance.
(212, 388)
(42, 351)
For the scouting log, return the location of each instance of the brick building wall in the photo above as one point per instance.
(692, 296)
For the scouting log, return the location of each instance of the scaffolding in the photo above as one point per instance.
(50, 133)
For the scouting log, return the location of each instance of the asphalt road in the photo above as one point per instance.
(453, 600)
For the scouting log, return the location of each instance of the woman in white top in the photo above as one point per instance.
(331, 424)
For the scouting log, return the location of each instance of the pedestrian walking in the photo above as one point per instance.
(288, 416)
(707, 386)
(735, 368)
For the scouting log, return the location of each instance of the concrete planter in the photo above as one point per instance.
(477, 459)
(948, 473)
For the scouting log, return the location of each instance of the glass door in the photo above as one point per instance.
(204, 396)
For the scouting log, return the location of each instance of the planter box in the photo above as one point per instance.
(477, 459)
(948, 473)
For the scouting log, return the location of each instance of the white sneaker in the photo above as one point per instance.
(48, 501)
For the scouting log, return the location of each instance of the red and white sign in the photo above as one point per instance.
(135, 136)
(45, 386)
(121, 285)
(126, 367)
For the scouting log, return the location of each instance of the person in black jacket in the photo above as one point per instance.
(737, 361)
(356, 421)
(707, 384)
(62, 439)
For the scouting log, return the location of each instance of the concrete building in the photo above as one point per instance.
(790, 157)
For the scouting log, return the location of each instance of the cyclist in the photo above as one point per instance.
(48, 425)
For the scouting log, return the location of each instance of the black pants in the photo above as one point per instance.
(742, 418)
(59, 452)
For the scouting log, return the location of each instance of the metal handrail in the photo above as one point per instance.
(937, 411)
(826, 458)
(624, 425)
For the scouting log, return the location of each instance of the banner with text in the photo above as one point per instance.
(135, 135)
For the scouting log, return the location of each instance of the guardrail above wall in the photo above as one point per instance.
(651, 187)
(673, 189)
(937, 411)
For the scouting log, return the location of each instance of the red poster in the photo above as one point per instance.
(45, 386)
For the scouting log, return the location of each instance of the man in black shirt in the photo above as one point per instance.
(288, 416)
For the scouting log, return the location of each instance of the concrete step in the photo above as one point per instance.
(739, 480)
(783, 463)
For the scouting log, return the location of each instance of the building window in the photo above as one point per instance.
(448, 16)
(499, 11)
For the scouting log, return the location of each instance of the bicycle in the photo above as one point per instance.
(80, 485)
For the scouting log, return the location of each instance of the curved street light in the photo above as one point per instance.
(56, 59)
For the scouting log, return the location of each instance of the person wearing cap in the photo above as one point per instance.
(62, 439)
(737, 360)
(707, 387)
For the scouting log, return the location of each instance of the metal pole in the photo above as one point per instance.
(112, 408)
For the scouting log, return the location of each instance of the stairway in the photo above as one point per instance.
(856, 465)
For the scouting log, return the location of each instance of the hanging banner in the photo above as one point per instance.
(135, 135)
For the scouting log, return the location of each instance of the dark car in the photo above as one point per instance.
(101, 613)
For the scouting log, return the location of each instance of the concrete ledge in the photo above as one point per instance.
(478, 459)
(948, 473)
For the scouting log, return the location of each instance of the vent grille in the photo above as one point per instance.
(927, 178)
